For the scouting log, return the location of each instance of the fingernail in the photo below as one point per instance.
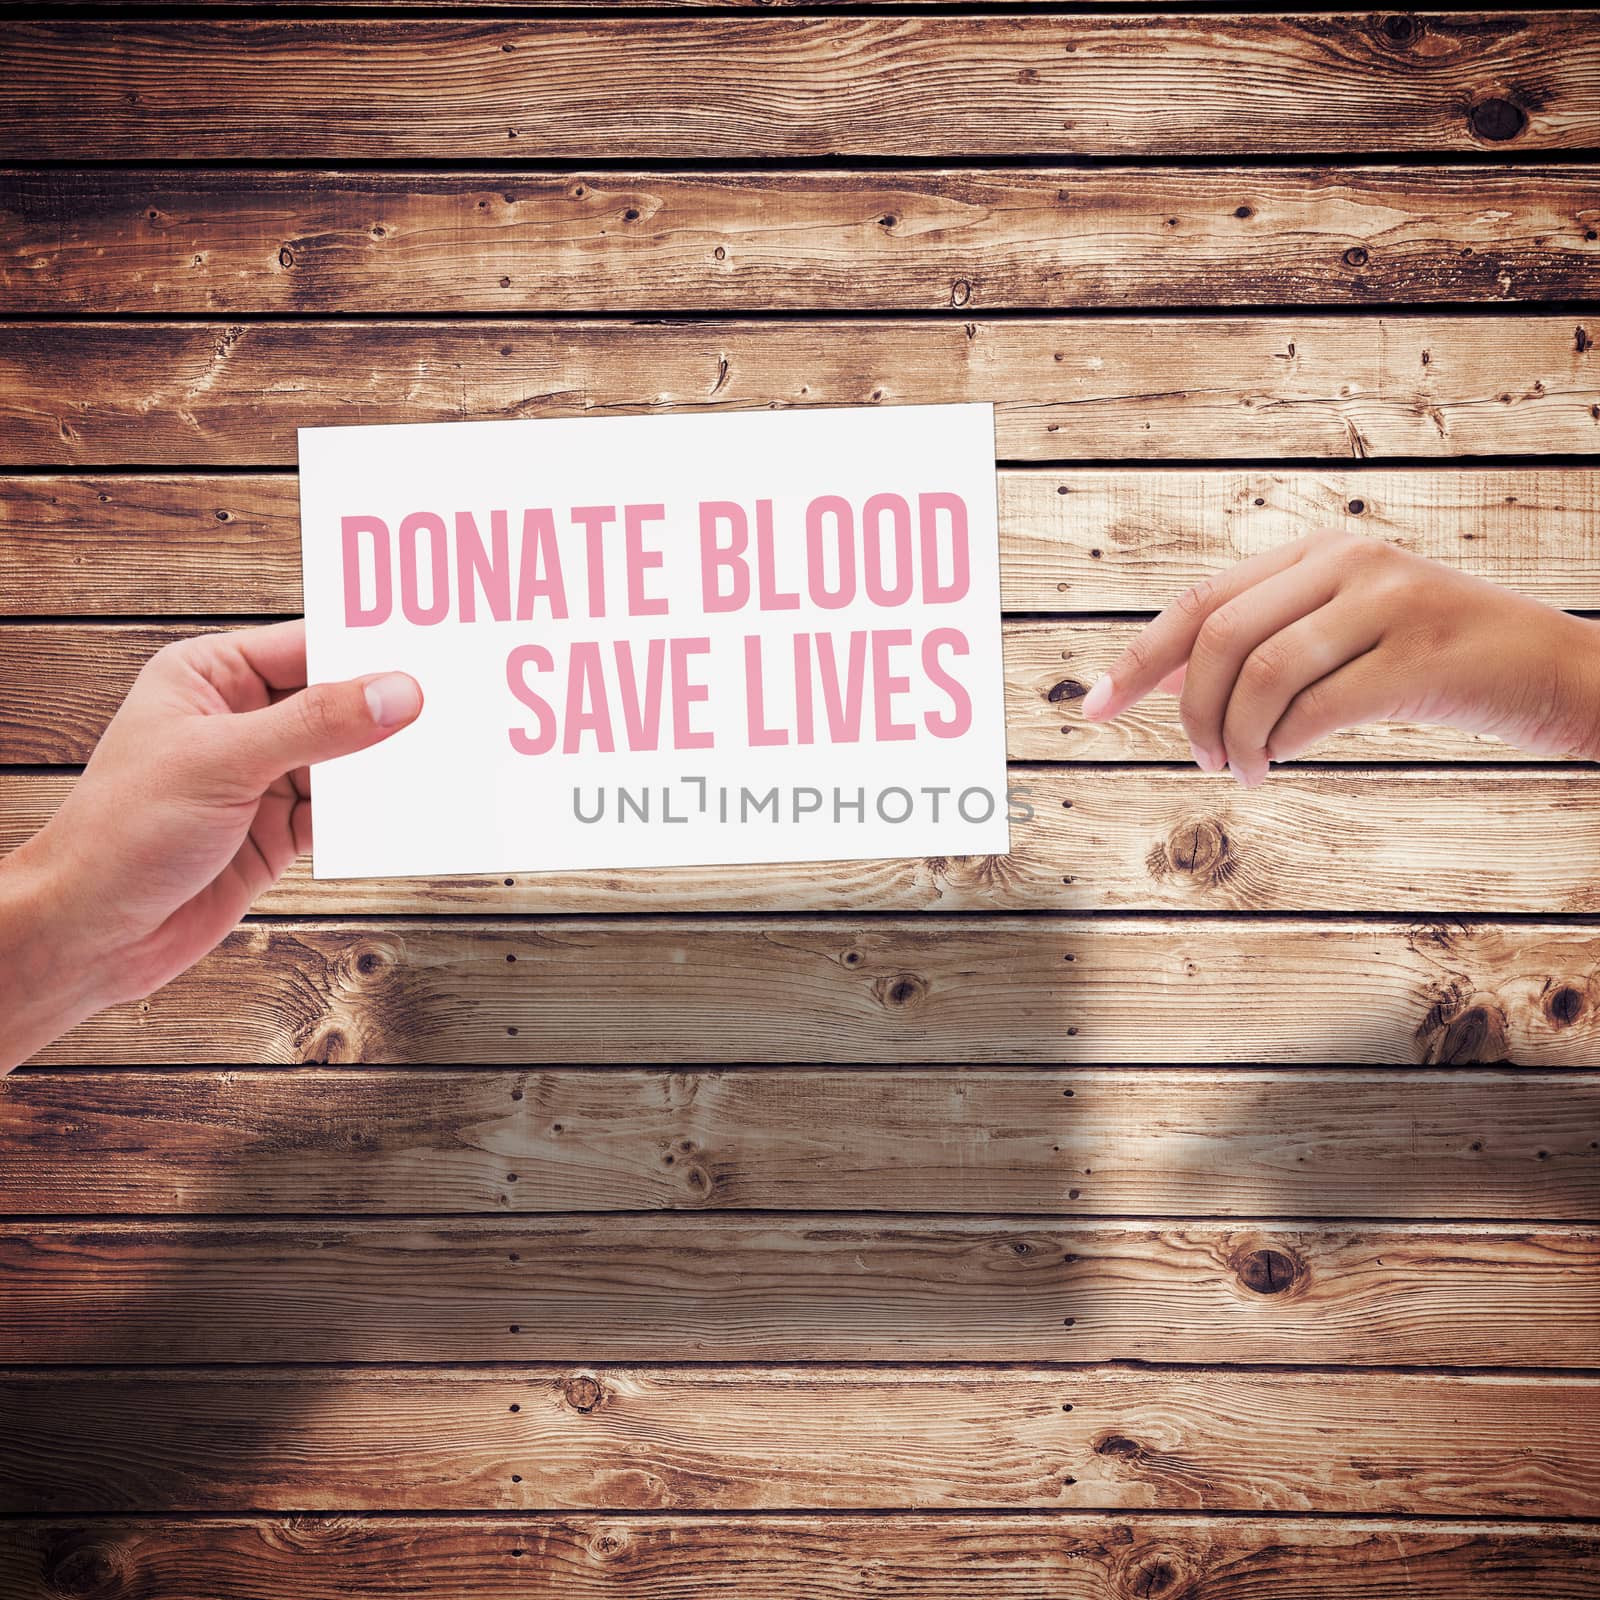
(393, 698)
(1202, 758)
(1098, 697)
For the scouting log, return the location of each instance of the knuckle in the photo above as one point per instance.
(174, 653)
(199, 653)
(1360, 556)
(1138, 656)
(1218, 632)
(167, 667)
(1266, 666)
(1197, 600)
(320, 712)
(1312, 705)
(1323, 545)
(1395, 590)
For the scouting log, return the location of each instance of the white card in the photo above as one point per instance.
(661, 641)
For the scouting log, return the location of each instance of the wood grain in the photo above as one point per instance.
(233, 394)
(1474, 842)
(640, 88)
(123, 543)
(1072, 539)
(1104, 1142)
(644, 1288)
(60, 683)
(1056, 1556)
(173, 241)
(1101, 990)
(714, 1438)
(1131, 539)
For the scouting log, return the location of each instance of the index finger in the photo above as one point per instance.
(276, 653)
(1163, 647)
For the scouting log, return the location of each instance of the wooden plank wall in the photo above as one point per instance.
(1201, 1201)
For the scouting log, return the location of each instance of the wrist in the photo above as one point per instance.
(51, 976)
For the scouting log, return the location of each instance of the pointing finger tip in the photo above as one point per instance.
(1098, 698)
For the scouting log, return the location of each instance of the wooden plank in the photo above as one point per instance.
(199, 394)
(178, 241)
(1128, 539)
(1476, 842)
(1077, 538)
(730, 1438)
(797, 1289)
(120, 543)
(1103, 1142)
(1086, 991)
(636, 88)
(537, 6)
(60, 683)
(1057, 1556)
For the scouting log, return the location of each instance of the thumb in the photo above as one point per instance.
(322, 721)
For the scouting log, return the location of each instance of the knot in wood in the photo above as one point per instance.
(1564, 1006)
(1067, 689)
(1497, 119)
(85, 1570)
(583, 1393)
(317, 1532)
(1151, 1576)
(325, 1047)
(902, 992)
(1202, 849)
(1267, 1271)
(366, 961)
(1119, 1445)
(1465, 1037)
(1457, 1033)
(1199, 849)
(1400, 29)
